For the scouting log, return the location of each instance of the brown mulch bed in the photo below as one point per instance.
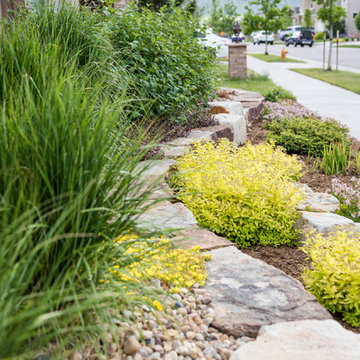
(290, 260)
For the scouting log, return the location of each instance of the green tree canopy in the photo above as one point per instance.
(308, 20)
(357, 21)
(269, 17)
(330, 14)
(222, 19)
(286, 14)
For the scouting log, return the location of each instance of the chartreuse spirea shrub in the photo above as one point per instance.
(163, 55)
(306, 135)
(334, 273)
(246, 194)
(158, 259)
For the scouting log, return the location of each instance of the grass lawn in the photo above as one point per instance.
(254, 82)
(345, 79)
(351, 46)
(274, 58)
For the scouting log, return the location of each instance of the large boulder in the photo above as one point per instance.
(231, 113)
(302, 340)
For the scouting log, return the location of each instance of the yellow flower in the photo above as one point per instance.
(157, 305)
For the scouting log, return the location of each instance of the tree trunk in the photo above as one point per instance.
(266, 45)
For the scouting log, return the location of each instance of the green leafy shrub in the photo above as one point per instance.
(306, 135)
(245, 194)
(161, 52)
(320, 35)
(334, 274)
(273, 94)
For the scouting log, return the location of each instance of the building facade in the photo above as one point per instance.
(352, 7)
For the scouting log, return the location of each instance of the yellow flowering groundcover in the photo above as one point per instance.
(158, 259)
(247, 194)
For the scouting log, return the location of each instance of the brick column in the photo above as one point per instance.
(237, 61)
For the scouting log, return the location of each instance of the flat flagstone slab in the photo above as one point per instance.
(173, 151)
(247, 294)
(322, 222)
(206, 239)
(155, 169)
(167, 216)
(178, 146)
(317, 202)
(302, 340)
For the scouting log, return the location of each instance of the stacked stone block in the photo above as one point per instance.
(237, 61)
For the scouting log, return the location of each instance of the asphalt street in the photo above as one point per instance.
(348, 57)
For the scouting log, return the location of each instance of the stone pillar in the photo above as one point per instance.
(237, 61)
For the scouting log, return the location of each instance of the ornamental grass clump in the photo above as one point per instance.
(336, 159)
(334, 274)
(158, 259)
(246, 194)
(69, 183)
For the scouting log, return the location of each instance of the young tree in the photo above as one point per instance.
(329, 13)
(223, 19)
(308, 20)
(270, 18)
(357, 21)
(286, 14)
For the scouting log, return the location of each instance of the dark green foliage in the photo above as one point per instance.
(357, 21)
(306, 135)
(169, 65)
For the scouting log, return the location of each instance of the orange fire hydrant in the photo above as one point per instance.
(283, 53)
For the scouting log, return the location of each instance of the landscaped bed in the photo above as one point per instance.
(292, 260)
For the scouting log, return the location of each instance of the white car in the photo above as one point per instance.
(216, 42)
(263, 37)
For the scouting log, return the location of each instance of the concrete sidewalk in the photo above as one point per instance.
(327, 100)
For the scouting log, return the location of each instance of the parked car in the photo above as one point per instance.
(302, 37)
(263, 37)
(211, 40)
(283, 34)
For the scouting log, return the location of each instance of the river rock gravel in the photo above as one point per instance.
(182, 331)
